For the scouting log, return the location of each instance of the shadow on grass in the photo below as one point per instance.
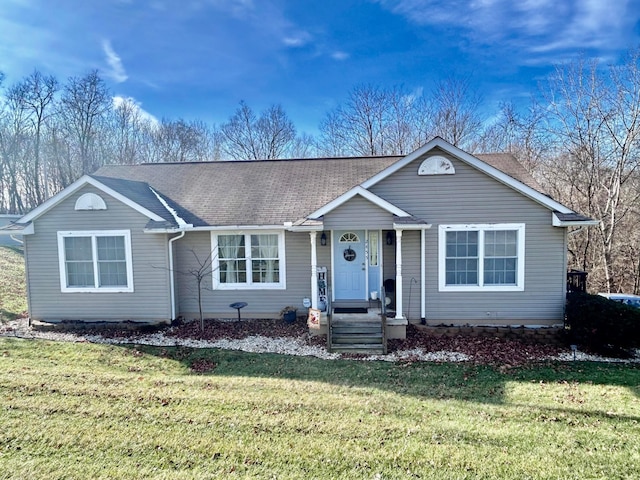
(458, 381)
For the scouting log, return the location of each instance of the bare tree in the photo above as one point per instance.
(36, 94)
(125, 133)
(199, 270)
(358, 126)
(14, 129)
(84, 103)
(181, 141)
(595, 116)
(455, 112)
(520, 134)
(248, 137)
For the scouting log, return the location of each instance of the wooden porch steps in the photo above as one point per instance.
(351, 335)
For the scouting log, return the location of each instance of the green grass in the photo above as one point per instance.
(13, 291)
(89, 411)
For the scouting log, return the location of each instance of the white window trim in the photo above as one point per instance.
(480, 228)
(217, 285)
(93, 234)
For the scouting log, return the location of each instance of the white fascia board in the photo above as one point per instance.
(363, 192)
(299, 228)
(26, 230)
(412, 226)
(493, 172)
(556, 222)
(74, 187)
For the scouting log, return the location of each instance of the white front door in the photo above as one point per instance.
(350, 263)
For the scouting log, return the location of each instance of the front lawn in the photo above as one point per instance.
(13, 291)
(77, 410)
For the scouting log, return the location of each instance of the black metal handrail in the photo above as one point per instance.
(383, 318)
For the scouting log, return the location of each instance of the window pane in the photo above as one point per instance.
(501, 247)
(264, 246)
(265, 271)
(80, 274)
(461, 263)
(231, 246)
(111, 248)
(373, 249)
(112, 264)
(79, 261)
(77, 248)
(233, 271)
(112, 274)
(265, 267)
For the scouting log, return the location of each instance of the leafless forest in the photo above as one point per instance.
(579, 135)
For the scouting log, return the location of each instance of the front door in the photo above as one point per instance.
(350, 263)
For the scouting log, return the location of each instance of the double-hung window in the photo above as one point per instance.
(95, 261)
(248, 260)
(487, 257)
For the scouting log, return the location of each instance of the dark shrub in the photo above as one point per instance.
(602, 325)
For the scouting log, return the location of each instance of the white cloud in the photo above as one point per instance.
(135, 108)
(339, 55)
(297, 40)
(117, 72)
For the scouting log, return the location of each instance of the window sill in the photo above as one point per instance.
(493, 288)
(97, 290)
(237, 286)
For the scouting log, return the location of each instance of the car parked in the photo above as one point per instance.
(626, 298)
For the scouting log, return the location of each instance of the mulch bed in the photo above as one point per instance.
(482, 349)
(485, 349)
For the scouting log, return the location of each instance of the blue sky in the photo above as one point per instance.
(197, 59)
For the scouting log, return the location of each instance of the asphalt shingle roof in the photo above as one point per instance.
(507, 163)
(265, 192)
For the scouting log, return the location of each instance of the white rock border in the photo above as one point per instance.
(260, 344)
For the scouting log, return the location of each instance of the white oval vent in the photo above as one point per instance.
(436, 166)
(90, 201)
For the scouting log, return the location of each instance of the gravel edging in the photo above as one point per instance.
(260, 344)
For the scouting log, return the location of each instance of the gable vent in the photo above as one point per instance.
(90, 201)
(436, 165)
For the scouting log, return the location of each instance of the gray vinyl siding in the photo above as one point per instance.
(149, 302)
(261, 303)
(470, 196)
(358, 213)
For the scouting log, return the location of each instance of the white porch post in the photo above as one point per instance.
(314, 270)
(399, 274)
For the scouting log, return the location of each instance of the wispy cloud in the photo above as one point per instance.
(117, 71)
(546, 28)
(299, 39)
(340, 55)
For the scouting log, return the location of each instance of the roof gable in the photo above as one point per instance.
(154, 213)
(372, 197)
(475, 162)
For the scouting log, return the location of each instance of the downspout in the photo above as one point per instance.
(423, 279)
(172, 287)
(21, 242)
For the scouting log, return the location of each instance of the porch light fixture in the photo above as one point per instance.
(389, 237)
(323, 239)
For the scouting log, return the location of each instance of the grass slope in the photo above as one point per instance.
(89, 411)
(13, 290)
